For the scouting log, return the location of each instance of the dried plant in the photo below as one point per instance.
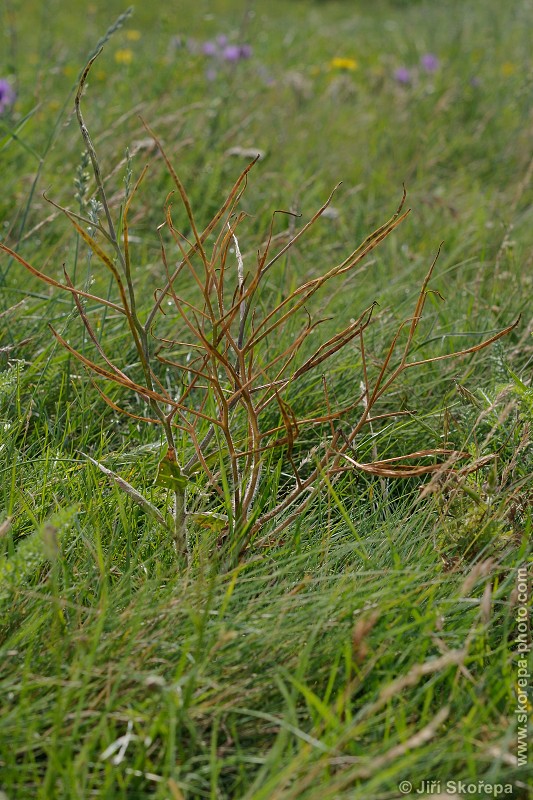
(232, 386)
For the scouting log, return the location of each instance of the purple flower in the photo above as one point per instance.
(209, 49)
(232, 53)
(236, 52)
(429, 62)
(220, 49)
(402, 75)
(7, 95)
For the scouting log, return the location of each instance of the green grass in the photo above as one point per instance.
(375, 643)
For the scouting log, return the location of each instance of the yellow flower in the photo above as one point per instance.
(124, 56)
(133, 36)
(349, 64)
(508, 69)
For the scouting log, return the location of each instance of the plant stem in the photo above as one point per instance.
(181, 539)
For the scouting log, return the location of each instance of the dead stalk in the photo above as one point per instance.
(232, 375)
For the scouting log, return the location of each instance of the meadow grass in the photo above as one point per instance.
(375, 642)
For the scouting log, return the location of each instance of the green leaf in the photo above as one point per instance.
(522, 390)
(169, 474)
(211, 520)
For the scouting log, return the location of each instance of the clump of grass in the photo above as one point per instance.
(229, 395)
(482, 507)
